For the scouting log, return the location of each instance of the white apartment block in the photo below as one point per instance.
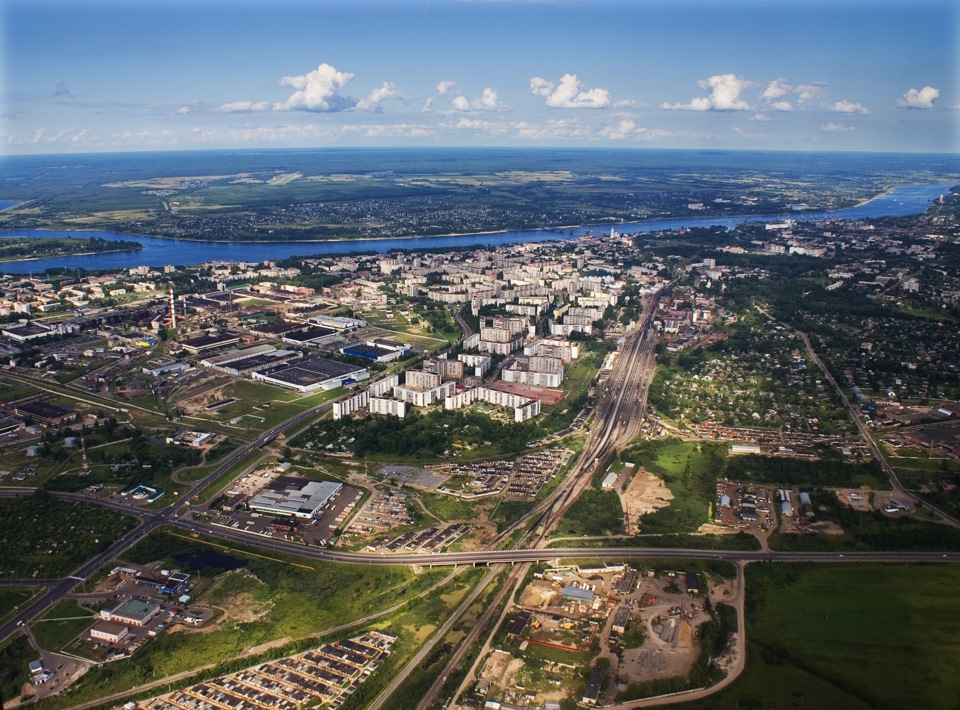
(419, 379)
(424, 397)
(495, 348)
(348, 405)
(383, 386)
(381, 405)
(565, 329)
(479, 363)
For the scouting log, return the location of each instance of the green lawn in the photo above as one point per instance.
(849, 636)
(214, 488)
(61, 625)
(448, 507)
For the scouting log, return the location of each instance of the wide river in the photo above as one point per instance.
(905, 200)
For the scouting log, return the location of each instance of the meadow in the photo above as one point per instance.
(848, 636)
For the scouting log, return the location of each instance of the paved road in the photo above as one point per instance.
(149, 521)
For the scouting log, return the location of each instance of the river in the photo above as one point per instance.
(901, 201)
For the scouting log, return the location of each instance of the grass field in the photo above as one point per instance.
(214, 488)
(690, 470)
(849, 636)
(61, 625)
(263, 406)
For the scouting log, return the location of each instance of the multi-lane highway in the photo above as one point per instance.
(149, 520)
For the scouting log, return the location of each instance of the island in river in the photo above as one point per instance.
(24, 248)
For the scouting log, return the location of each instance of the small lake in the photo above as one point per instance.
(901, 201)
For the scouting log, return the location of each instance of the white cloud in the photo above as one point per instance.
(397, 130)
(782, 106)
(922, 99)
(848, 107)
(471, 123)
(488, 101)
(836, 128)
(569, 93)
(445, 86)
(377, 96)
(183, 110)
(629, 103)
(809, 92)
(776, 88)
(554, 128)
(317, 90)
(627, 128)
(245, 106)
(477, 124)
(540, 86)
(759, 117)
(725, 91)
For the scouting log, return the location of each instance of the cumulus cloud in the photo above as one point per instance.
(836, 128)
(759, 117)
(463, 123)
(317, 90)
(725, 91)
(569, 93)
(183, 110)
(808, 92)
(919, 99)
(782, 106)
(396, 130)
(377, 96)
(554, 128)
(627, 128)
(488, 101)
(245, 106)
(445, 86)
(848, 107)
(776, 88)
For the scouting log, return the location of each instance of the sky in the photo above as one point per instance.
(80, 76)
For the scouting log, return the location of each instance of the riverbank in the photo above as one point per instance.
(160, 251)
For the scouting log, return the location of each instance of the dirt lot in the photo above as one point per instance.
(645, 494)
(539, 593)
(856, 498)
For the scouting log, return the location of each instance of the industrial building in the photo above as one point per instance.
(311, 374)
(295, 497)
(132, 612)
(203, 343)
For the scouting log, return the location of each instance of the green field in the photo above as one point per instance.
(59, 626)
(214, 488)
(848, 636)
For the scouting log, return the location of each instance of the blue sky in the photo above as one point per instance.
(92, 75)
